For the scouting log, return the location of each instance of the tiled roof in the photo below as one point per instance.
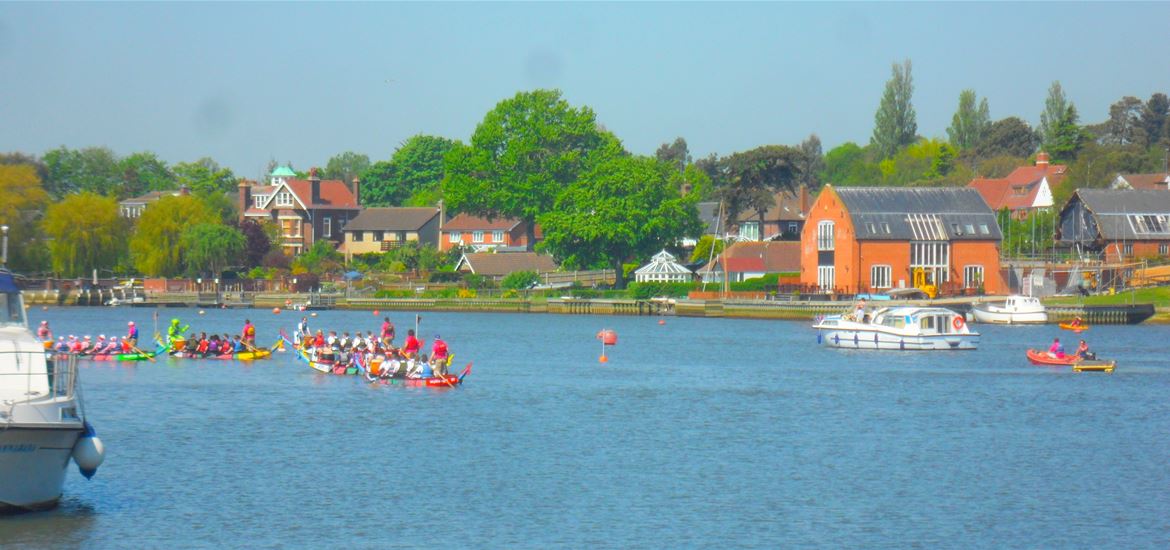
(392, 219)
(922, 213)
(1115, 209)
(334, 194)
(1018, 190)
(787, 207)
(492, 264)
(1147, 181)
(760, 257)
(467, 222)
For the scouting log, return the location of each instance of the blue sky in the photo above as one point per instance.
(300, 82)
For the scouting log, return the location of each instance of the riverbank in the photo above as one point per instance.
(1094, 309)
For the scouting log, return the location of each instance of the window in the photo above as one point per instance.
(379, 236)
(497, 236)
(327, 227)
(956, 229)
(1149, 223)
(1163, 249)
(284, 198)
(983, 230)
(1128, 249)
(455, 237)
(793, 227)
(872, 228)
(750, 231)
(357, 236)
(825, 236)
(290, 228)
(258, 200)
(879, 276)
(970, 229)
(972, 276)
(477, 236)
(886, 228)
(826, 275)
(932, 256)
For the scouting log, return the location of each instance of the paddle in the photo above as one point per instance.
(143, 353)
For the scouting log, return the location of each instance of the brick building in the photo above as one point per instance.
(1117, 225)
(306, 210)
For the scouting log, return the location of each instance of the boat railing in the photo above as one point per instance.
(59, 375)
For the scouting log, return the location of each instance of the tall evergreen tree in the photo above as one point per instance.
(812, 164)
(895, 124)
(970, 124)
(1055, 108)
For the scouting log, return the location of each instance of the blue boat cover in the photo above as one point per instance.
(7, 282)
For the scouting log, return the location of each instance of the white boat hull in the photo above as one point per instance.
(878, 339)
(32, 466)
(1009, 318)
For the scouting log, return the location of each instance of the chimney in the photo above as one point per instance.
(314, 186)
(357, 197)
(442, 214)
(804, 205)
(1042, 160)
(245, 188)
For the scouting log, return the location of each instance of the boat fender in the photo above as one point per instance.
(958, 323)
(88, 452)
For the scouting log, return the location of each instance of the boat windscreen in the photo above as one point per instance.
(11, 310)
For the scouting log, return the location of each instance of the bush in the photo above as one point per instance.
(445, 277)
(645, 291)
(518, 280)
(477, 282)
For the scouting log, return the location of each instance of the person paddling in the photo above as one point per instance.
(131, 340)
(249, 334)
(1083, 351)
(175, 332)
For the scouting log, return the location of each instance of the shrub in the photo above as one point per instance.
(520, 280)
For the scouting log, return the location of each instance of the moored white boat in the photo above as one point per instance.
(42, 420)
(898, 328)
(1015, 310)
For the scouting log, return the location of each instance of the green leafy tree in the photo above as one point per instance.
(156, 248)
(1096, 165)
(322, 257)
(1156, 118)
(750, 179)
(970, 124)
(924, 162)
(812, 162)
(142, 172)
(1010, 136)
(1124, 126)
(415, 170)
(205, 176)
(703, 249)
(93, 169)
(1055, 109)
(895, 124)
(623, 209)
(849, 164)
(85, 233)
(675, 153)
(520, 280)
(211, 247)
(524, 153)
(1068, 136)
(346, 166)
(22, 199)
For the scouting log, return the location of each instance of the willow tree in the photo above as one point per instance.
(86, 233)
(22, 196)
(211, 247)
(156, 247)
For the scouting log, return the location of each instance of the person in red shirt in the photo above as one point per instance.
(249, 334)
(439, 355)
(412, 345)
(387, 331)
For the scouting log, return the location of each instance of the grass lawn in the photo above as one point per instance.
(1158, 295)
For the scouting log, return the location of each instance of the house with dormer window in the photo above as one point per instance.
(306, 210)
(1026, 189)
(1117, 225)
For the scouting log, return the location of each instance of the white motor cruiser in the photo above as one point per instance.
(42, 422)
(898, 328)
(1016, 309)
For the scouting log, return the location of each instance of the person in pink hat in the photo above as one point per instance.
(131, 340)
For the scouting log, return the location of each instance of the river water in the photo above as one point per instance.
(695, 433)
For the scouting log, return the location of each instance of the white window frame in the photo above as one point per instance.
(326, 227)
(258, 200)
(933, 257)
(969, 281)
(1163, 249)
(477, 236)
(881, 276)
(750, 230)
(283, 198)
(497, 236)
(455, 237)
(826, 231)
(826, 277)
(1127, 249)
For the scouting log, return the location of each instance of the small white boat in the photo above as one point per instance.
(898, 328)
(42, 420)
(1016, 309)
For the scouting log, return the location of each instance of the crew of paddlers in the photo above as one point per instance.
(375, 354)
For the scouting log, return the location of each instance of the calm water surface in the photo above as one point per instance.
(696, 433)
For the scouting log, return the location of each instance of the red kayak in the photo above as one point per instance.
(1038, 357)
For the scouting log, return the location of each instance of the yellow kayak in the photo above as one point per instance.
(1074, 328)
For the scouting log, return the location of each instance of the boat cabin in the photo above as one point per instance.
(919, 321)
(1023, 303)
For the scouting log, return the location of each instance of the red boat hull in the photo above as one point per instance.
(1042, 358)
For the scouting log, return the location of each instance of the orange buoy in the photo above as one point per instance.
(603, 359)
(662, 321)
(276, 311)
(287, 303)
(375, 313)
(607, 337)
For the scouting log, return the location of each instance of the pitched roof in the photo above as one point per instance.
(919, 213)
(1019, 189)
(1147, 181)
(787, 207)
(467, 222)
(283, 171)
(759, 257)
(392, 219)
(503, 263)
(151, 196)
(333, 194)
(1128, 214)
(663, 262)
